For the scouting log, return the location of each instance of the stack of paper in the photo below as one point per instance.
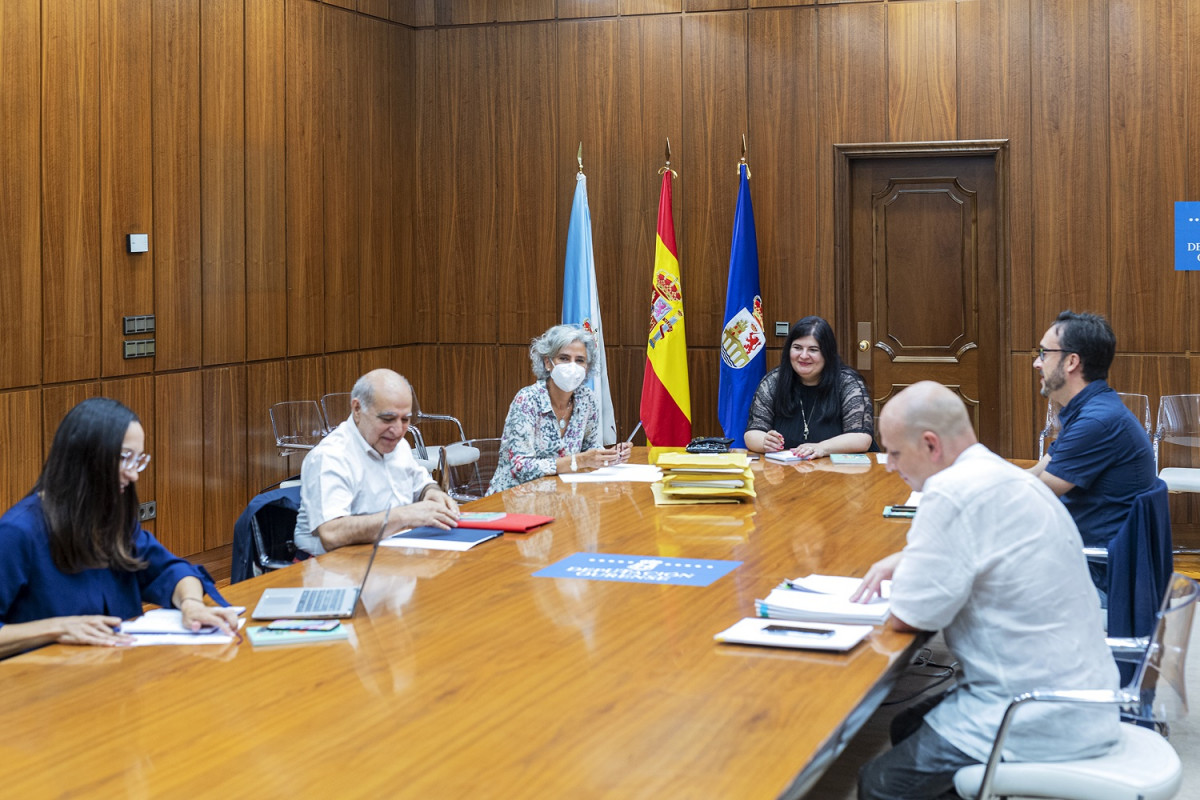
(807, 636)
(704, 477)
(824, 598)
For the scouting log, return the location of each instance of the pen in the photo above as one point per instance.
(635, 430)
(788, 630)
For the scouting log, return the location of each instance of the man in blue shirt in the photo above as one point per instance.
(1102, 458)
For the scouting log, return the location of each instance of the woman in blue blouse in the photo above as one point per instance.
(553, 425)
(74, 561)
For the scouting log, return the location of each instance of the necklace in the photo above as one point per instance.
(804, 417)
(565, 417)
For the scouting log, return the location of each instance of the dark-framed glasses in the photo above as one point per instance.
(134, 461)
(1040, 352)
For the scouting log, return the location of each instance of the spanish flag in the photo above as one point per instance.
(666, 399)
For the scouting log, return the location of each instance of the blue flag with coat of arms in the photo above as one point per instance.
(581, 302)
(743, 339)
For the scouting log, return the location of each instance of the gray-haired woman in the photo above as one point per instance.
(553, 425)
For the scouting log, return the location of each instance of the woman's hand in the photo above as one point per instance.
(810, 451)
(772, 442)
(599, 457)
(197, 615)
(93, 629)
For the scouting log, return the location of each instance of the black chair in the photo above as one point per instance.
(262, 535)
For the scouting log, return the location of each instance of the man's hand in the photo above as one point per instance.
(879, 572)
(438, 510)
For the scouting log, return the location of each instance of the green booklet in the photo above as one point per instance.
(263, 636)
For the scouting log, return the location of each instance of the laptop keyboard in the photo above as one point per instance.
(318, 600)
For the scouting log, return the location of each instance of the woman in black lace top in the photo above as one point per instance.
(811, 403)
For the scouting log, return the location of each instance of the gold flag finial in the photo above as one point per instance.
(742, 161)
(667, 167)
(579, 158)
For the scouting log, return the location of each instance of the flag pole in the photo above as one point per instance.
(667, 167)
(742, 162)
(579, 158)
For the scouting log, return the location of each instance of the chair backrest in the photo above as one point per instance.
(262, 535)
(1160, 676)
(297, 424)
(1139, 565)
(421, 418)
(336, 408)
(1050, 428)
(470, 481)
(1139, 405)
(1178, 422)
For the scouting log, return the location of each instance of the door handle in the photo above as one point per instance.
(864, 347)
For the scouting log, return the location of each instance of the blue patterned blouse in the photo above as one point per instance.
(531, 442)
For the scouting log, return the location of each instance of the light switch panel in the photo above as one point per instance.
(139, 242)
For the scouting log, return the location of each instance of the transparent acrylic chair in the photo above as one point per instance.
(1139, 405)
(336, 408)
(1178, 427)
(298, 425)
(1143, 764)
(1050, 428)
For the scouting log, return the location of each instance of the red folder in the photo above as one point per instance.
(510, 523)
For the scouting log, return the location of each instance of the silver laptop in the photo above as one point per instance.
(333, 602)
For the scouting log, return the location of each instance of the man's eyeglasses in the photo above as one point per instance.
(136, 462)
(1041, 352)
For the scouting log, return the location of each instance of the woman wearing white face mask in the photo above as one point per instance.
(553, 425)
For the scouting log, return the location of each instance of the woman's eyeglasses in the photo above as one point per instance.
(136, 462)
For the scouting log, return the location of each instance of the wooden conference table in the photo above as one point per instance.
(465, 676)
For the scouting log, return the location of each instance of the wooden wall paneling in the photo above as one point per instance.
(343, 139)
(22, 433)
(715, 82)
(70, 320)
(692, 6)
(428, 165)
(587, 114)
(225, 472)
(57, 401)
(266, 384)
(780, 3)
(470, 393)
(577, 9)
(993, 63)
(223, 171)
(304, 59)
(523, 10)
(513, 372)
(626, 370)
(175, 75)
(380, 280)
(531, 174)
(20, 214)
(410, 361)
(783, 156)
(466, 307)
(1148, 154)
(1069, 43)
(341, 371)
(178, 450)
(126, 178)
(414, 13)
(1028, 407)
(266, 181)
(704, 367)
(374, 8)
(464, 12)
(649, 111)
(632, 7)
(137, 393)
(922, 82)
(404, 121)
(349, 5)
(852, 47)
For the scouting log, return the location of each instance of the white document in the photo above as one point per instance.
(161, 626)
(802, 635)
(617, 473)
(824, 598)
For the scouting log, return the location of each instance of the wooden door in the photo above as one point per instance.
(921, 265)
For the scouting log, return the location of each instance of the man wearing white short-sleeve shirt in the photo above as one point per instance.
(995, 562)
(363, 467)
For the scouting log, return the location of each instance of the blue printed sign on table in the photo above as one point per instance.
(1187, 236)
(639, 569)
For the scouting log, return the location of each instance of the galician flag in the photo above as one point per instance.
(743, 341)
(581, 301)
(666, 398)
